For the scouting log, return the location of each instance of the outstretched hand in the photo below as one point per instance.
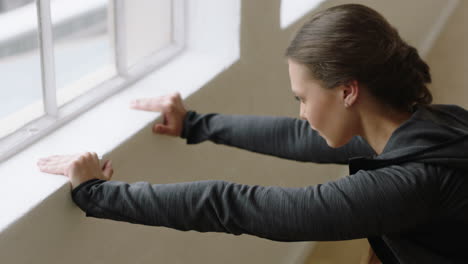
(78, 168)
(173, 112)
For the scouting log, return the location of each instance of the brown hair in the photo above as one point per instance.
(354, 42)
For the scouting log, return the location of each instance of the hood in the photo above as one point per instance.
(434, 134)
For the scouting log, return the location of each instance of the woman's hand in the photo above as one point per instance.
(79, 167)
(172, 109)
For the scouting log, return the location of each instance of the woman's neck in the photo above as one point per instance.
(378, 124)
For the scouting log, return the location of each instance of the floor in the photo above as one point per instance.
(338, 252)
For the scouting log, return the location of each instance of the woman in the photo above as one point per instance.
(363, 102)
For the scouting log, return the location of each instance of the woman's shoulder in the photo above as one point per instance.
(443, 110)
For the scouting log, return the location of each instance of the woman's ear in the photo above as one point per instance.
(350, 93)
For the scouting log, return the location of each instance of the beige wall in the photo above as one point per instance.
(58, 232)
(448, 60)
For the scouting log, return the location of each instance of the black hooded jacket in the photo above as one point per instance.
(411, 201)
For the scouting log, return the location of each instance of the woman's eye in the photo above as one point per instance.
(298, 99)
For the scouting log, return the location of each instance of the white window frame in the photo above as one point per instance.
(55, 116)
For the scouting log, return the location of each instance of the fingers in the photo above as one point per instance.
(173, 111)
(163, 103)
(148, 104)
(108, 171)
(105, 164)
(59, 164)
(51, 168)
(56, 164)
(91, 158)
(78, 168)
(161, 129)
(95, 158)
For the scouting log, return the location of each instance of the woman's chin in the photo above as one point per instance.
(331, 145)
(334, 143)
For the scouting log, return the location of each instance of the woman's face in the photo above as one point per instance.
(323, 108)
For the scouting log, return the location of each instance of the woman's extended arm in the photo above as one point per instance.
(361, 205)
(283, 137)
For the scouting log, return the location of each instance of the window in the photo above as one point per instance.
(82, 46)
(59, 58)
(292, 10)
(20, 69)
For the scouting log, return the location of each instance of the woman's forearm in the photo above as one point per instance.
(283, 137)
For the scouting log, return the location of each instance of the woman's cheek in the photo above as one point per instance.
(307, 115)
(316, 118)
(339, 133)
(326, 124)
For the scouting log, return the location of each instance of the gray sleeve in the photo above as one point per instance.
(361, 205)
(284, 137)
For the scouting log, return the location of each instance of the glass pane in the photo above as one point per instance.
(83, 47)
(148, 27)
(20, 67)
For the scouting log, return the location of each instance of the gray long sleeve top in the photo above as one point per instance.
(411, 201)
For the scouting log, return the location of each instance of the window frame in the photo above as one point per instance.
(55, 116)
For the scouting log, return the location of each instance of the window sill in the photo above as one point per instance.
(112, 122)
